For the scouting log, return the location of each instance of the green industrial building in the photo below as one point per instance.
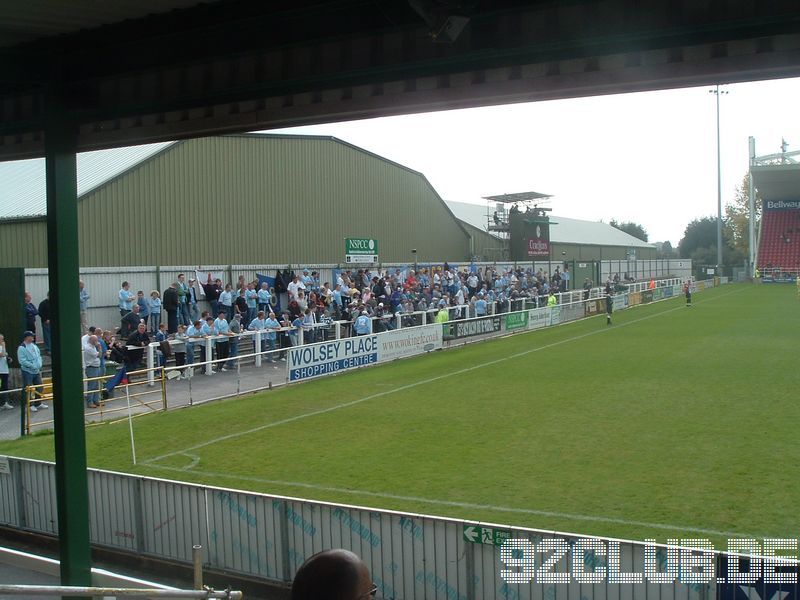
(264, 199)
(235, 199)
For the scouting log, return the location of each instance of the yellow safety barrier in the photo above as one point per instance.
(44, 393)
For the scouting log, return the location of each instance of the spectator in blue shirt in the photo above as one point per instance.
(251, 296)
(221, 327)
(226, 299)
(273, 325)
(194, 334)
(30, 364)
(154, 306)
(84, 305)
(125, 299)
(297, 331)
(362, 325)
(144, 306)
(480, 306)
(264, 297)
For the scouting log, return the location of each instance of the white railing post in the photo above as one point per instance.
(209, 356)
(424, 317)
(337, 328)
(258, 340)
(150, 364)
(399, 321)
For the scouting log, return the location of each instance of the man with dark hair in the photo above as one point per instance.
(44, 315)
(130, 322)
(333, 575)
(171, 305)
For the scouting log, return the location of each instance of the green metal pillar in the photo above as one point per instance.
(62, 261)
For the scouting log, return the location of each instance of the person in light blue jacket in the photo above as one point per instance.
(30, 364)
(125, 299)
(154, 304)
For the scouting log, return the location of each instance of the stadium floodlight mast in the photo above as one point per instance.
(716, 91)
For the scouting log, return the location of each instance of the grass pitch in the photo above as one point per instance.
(674, 421)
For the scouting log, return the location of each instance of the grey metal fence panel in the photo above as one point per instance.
(9, 495)
(244, 534)
(39, 497)
(113, 509)
(173, 518)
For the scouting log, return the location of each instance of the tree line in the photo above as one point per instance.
(699, 241)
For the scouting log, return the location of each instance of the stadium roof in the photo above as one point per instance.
(566, 231)
(777, 182)
(518, 197)
(22, 183)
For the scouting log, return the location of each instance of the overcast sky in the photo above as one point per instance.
(647, 157)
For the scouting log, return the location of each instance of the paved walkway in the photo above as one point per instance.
(144, 398)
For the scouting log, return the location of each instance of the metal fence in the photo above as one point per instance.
(103, 283)
(256, 368)
(269, 537)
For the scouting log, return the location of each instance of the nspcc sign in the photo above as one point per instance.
(363, 250)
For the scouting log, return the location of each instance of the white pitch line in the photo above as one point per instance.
(409, 386)
(469, 505)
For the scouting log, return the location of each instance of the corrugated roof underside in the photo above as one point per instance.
(22, 183)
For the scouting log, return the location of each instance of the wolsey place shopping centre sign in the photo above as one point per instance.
(360, 250)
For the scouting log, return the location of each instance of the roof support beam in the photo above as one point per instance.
(61, 138)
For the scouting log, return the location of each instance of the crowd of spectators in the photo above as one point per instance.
(362, 300)
(382, 296)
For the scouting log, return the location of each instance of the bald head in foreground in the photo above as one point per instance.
(333, 575)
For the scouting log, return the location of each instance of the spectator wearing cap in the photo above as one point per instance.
(30, 364)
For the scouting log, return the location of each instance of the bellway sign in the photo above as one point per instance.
(360, 250)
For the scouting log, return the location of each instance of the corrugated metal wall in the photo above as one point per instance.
(23, 244)
(409, 556)
(252, 199)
